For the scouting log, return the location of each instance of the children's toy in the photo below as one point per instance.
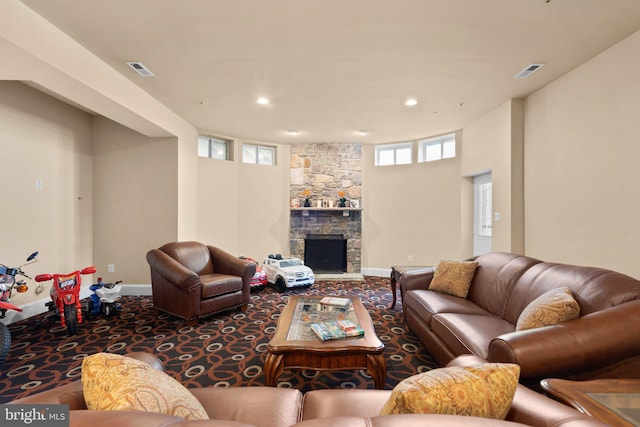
(7, 285)
(65, 297)
(287, 272)
(104, 298)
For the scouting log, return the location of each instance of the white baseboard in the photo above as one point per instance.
(376, 272)
(136, 290)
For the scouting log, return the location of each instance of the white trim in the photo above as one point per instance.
(377, 272)
(136, 290)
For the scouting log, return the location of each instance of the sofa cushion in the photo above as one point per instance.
(495, 279)
(255, 405)
(552, 307)
(453, 277)
(469, 333)
(216, 284)
(484, 390)
(408, 420)
(426, 303)
(115, 382)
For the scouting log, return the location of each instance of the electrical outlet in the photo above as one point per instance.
(111, 268)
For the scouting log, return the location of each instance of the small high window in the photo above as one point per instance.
(258, 154)
(394, 154)
(214, 148)
(438, 148)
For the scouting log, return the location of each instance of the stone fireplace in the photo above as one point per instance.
(324, 173)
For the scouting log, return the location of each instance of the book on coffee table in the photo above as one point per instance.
(331, 330)
(337, 301)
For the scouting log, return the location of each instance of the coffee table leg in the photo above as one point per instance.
(377, 368)
(273, 367)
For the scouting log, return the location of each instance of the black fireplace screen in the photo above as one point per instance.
(326, 253)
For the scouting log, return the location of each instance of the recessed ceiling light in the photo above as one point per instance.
(363, 132)
(410, 102)
(293, 131)
(262, 100)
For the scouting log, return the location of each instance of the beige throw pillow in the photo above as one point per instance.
(115, 382)
(483, 391)
(453, 277)
(552, 307)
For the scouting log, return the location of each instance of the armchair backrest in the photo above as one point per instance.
(193, 255)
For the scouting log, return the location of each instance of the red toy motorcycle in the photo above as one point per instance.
(65, 297)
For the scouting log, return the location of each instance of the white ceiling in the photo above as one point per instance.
(333, 67)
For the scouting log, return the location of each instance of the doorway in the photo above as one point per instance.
(482, 213)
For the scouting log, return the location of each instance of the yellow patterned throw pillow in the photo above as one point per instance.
(481, 391)
(552, 307)
(453, 277)
(115, 382)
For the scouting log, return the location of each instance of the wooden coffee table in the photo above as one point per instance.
(294, 346)
(615, 402)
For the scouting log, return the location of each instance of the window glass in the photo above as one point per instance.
(438, 148)
(213, 148)
(394, 154)
(485, 209)
(449, 149)
(258, 154)
(434, 152)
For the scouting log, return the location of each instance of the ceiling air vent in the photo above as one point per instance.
(140, 69)
(530, 69)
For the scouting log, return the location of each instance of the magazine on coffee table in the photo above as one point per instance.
(332, 330)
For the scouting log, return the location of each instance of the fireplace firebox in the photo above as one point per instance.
(326, 253)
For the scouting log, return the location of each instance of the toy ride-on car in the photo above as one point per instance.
(288, 272)
(259, 279)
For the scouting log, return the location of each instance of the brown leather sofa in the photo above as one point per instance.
(192, 280)
(281, 407)
(603, 342)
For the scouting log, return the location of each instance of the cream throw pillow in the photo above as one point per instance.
(552, 307)
(115, 382)
(453, 277)
(483, 391)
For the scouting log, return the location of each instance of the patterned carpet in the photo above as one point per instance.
(224, 350)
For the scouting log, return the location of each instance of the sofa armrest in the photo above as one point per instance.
(580, 345)
(174, 272)
(416, 279)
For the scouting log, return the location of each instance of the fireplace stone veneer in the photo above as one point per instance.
(305, 222)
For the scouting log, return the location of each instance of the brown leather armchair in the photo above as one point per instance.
(192, 280)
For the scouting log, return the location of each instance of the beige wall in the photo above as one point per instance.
(46, 140)
(410, 211)
(244, 208)
(494, 143)
(581, 160)
(135, 198)
(264, 207)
